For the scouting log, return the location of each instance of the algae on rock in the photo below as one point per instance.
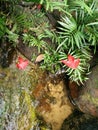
(17, 110)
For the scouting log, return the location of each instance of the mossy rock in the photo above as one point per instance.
(87, 101)
(93, 78)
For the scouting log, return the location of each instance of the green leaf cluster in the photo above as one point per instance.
(36, 1)
(2, 27)
(75, 33)
(78, 32)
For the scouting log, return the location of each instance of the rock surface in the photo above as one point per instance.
(88, 97)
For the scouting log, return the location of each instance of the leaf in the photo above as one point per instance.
(22, 63)
(71, 62)
(39, 58)
(94, 23)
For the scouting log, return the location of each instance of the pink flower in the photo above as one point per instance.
(22, 64)
(71, 62)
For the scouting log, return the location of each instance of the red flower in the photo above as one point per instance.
(71, 62)
(22, 64)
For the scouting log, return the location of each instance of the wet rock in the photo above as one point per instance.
(26, 50)
(79, 121)
(2, 75)
(91, 124)
(88, 97)
(7, 53)
(54, 105)
(93, 78)
(17, 109)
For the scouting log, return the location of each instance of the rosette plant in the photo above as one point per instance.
(79, 33)
(76, 37)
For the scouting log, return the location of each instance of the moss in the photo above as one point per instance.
(17, 110)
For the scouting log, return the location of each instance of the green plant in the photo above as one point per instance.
(79, 74)
(75, 34)
(2, 27)
(31, 40)
(50, 5)
(51, 61)
(54, 4)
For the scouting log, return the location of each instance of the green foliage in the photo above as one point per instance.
(11, 1)
(36, 1)
(20, 20)
(81, 28)
(12, 37)
(31, 40)
(2, 27)
(50, 5)
(76, 32)
(79, 74)
(54, 4)
(51, 61)
(71, 34)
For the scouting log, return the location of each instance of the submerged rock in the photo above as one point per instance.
(54, 105)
